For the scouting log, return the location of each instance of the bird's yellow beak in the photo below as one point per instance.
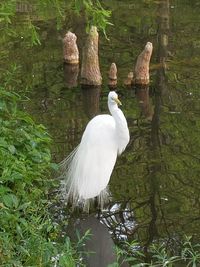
(118, 101)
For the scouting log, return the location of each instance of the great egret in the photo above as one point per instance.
(85, 173)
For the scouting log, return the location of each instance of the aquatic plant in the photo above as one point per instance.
(159, 255)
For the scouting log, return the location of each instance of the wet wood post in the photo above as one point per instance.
(71, 59)
(112, 77)
(142, 65)
(128, 82)
(70, 49)
(90, 71)
(141, 81)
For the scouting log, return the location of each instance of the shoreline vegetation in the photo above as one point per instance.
(28, 236)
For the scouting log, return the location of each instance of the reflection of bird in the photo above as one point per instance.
(87, 170)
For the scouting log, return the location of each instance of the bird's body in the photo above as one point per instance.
(99, 131)
(87, 171)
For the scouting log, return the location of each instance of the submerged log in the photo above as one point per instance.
(142, 65)
(112, 82)
(70, 49)
(129, 79)
(90, 72)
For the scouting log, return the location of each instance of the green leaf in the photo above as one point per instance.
(11, 201)
(12, 149)
(19, 230)
(24, 206)
(4, 190)
(3, 142)
(54, 166)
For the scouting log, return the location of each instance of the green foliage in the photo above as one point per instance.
(58, 10)
(191, 253)
(130, 253)
(160, 255)
(28, 237)
(32, 31)
(94, 12)
(7, 10)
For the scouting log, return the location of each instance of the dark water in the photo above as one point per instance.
(156, 182)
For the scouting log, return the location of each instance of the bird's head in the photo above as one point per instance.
(113, 98)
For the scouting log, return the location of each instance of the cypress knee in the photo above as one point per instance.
(90, 71)
(70, 49)
(112, 82)
(142, 65)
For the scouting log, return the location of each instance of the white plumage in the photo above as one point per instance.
(87, 170)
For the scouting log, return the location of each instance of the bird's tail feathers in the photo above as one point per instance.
(70, 181)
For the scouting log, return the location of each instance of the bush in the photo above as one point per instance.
(28, 237)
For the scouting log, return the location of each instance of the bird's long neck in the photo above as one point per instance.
(117, 115)
(121, 126)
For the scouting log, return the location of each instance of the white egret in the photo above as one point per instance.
(86, 171)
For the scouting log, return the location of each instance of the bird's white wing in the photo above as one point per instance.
(99, 152)
(91, 165)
